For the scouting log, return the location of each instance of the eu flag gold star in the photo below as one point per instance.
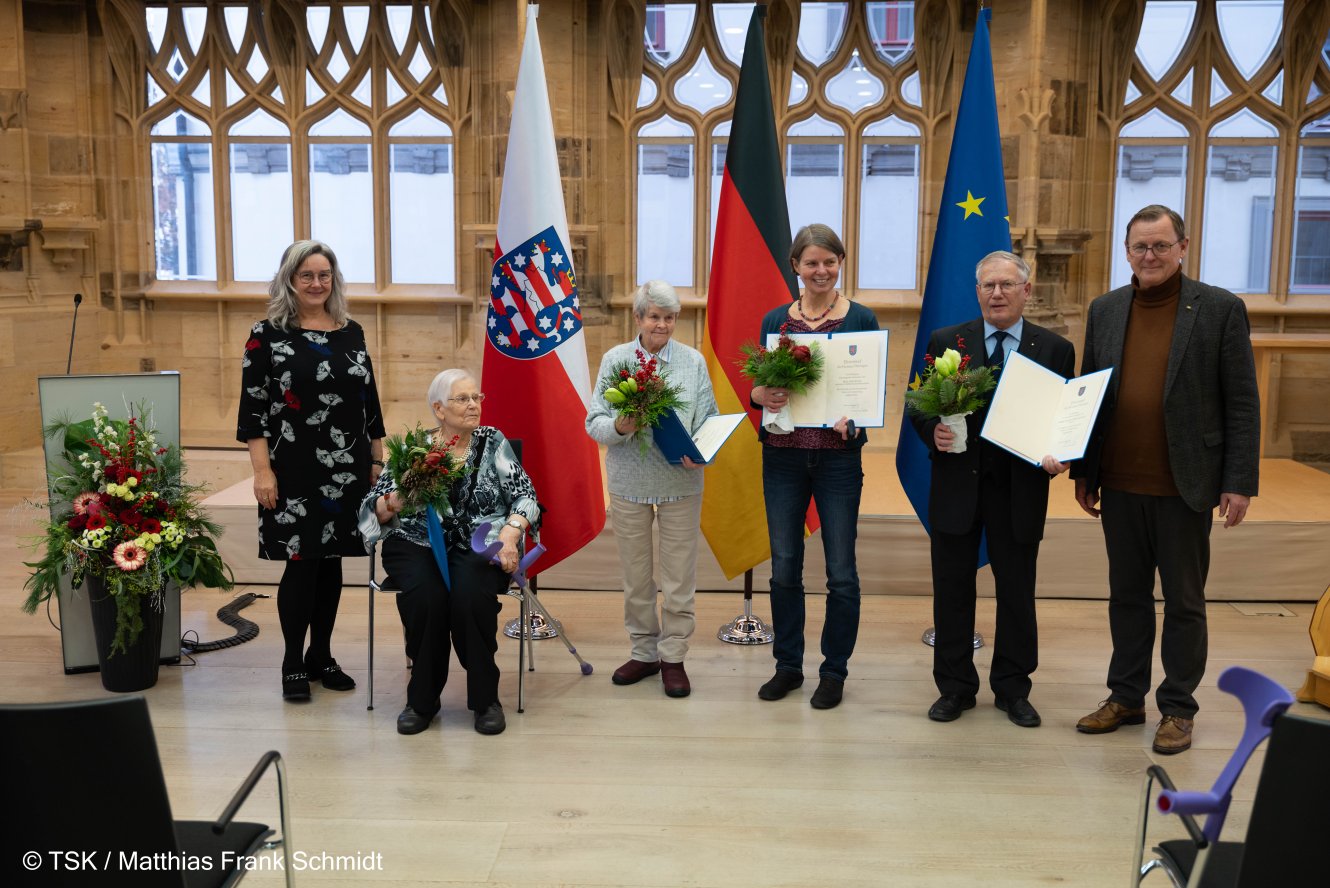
(971, 205)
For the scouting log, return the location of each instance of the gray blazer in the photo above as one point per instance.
(1211, 404)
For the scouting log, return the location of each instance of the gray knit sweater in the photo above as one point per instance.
(631, 472)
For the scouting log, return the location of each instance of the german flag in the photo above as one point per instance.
(750, 275)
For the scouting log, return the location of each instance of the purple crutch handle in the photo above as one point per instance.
(1178, 801)
(490, 551)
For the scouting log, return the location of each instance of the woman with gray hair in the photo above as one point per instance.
(645, 487)
(463, 610)
(309, 413)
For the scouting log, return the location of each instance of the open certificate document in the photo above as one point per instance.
(853, 383)
(675, 443)
(1035, 412)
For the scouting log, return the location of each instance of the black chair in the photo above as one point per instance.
(1287, 824)
(85, 777)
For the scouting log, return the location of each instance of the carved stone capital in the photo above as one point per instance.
(1048, 252)
(66, 246)
(13, 109)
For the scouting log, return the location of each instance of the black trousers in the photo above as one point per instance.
(439, 619)
(955, 562)
(1144, 533)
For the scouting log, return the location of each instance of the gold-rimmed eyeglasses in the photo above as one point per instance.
(468, 399)
(1159, 249)
(308, 277)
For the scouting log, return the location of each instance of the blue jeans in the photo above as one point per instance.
(834, 479)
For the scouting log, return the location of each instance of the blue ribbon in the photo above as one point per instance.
(437, 544)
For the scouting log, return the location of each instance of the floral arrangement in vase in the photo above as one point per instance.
(123, 519)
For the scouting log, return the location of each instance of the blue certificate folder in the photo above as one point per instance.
(675, 442)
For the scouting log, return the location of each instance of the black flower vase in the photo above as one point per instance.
(135, 668)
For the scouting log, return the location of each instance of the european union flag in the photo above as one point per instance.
(971, 223)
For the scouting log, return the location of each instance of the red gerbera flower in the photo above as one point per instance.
(150, 525)
(96, 520)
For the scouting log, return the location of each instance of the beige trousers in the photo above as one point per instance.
(663, 635)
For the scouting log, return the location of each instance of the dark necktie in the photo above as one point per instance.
(996, 356)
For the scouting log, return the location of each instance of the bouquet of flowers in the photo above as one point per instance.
(950, 389)
(424, 470)
(788, 365)
(636, 390)
(123, 514)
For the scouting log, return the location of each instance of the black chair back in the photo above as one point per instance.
(85, 776)
(1287, 832)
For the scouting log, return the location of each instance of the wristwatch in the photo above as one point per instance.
(513, 522)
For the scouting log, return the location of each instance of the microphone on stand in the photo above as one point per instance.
(78, 299)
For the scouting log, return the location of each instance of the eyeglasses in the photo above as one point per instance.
(1139, 250)
(467, 399)
(1004, 286)
(308, 277)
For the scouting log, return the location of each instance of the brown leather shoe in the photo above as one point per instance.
(1173, 736)
(675, 680)
(1109, 717)
(634, 671)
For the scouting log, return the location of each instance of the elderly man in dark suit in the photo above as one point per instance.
(987, 491)
(1178, 434)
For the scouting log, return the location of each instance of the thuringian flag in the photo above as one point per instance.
(535, 363)
(750, 275)
(971, 223)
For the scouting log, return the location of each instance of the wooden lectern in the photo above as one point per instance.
(1317, 687)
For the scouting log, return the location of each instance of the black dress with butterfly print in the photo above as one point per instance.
(312, 395)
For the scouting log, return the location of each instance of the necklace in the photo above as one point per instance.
(466, 452)
(799, 307)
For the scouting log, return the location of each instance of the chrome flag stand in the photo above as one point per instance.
(746, 628)
(930, 638)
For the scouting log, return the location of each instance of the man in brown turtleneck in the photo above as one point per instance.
(1178, 434)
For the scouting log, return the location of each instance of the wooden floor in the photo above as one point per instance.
(598, 785)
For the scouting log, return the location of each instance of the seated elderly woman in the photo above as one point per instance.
(466, 608)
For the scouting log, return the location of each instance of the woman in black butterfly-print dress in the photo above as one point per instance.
(309, 413)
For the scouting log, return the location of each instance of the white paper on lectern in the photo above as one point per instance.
(853, 383)
(1035, 412)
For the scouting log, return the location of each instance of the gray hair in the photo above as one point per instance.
(1153, 213)
(282, 307)
(657, 293)
(442, 386)
(1003, 256)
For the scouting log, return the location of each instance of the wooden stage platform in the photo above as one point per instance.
(1280, 553)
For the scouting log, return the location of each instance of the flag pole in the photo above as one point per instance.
(746, 628)
(975, 162)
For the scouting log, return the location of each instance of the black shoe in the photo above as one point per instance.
(828, 693)
(333, 678)
(949, 707)
(491, 721)
(412, 722)
(781, 684)
(295, 686)
(1019, 711)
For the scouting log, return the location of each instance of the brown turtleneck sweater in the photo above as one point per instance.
(1136, 452)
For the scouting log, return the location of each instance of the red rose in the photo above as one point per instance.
(130, 518)
(291, 400)
(252, 344)
(78, 522)
(801, 353)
